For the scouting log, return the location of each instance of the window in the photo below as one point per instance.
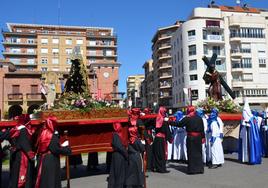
(34, 88)
(55, 41)
(248, 77)
(245, 32)
(15, 50)
(205, 49)
(15, 89)
(44, 69)
(191, 33)
(30, 41)
(92, 43)
(15, 60)
(68, 50)
(92, 60)
(30, 51)
(68, 41)
(44, 50)
(68, 61)
(44, 41)
(55, 61)
(107, 52)
(14, 40)
(262, 63)
(216, 50)
(246, 63)
(192, 65)
(44, 60)
(30, 61)
(79, 41)
(92, 52)
(193, 77)
(192, 50)
(55, 51)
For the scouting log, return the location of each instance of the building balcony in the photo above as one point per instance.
(165, 65)
(165, 76)
(236, 53)
(15, 97)
(213, 39)
(9, 43)
(101, 46)
(17, 53)
(164, 56)
(8, 33)
(167, 86)
(101, 55)
(238, 83)
(34, 97)
(108, 36)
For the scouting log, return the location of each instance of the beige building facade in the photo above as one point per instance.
(35, 50)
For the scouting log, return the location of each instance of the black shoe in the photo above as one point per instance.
(213, 166)
(219, 165)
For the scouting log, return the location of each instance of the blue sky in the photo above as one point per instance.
(134, 21)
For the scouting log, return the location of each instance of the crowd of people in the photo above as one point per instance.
(27, 148)
(143, 144)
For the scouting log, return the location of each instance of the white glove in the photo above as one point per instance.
(56, 132)
(166, 119)
(21, 127)
(142, 114)
(143, 142)
(265, 128)
(65, 143)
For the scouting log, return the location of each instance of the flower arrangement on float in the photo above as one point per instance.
(225, 105)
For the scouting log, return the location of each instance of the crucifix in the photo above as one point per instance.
(213, 77)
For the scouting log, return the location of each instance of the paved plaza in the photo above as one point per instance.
(231, 175)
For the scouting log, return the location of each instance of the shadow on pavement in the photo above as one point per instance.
(178, 167)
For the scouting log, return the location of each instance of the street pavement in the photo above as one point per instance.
(231, 175)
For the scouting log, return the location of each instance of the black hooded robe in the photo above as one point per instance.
(50, 174)
(149, 126)
(135, 170)
(160, 147)
(119, 164)
(21, 144)
(3, 136)
(195, 133)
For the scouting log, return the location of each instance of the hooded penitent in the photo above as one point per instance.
(133, 134)
(134, 115)
(190, 111)
(121, 133)
(160, 117)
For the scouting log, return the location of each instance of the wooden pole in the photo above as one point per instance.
(67, 162)
(144, 155)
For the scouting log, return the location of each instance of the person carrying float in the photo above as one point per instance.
(22, 156)
(49, 150)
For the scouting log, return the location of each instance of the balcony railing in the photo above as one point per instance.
(18, 53)
(213, 37)
(7, 42)
(15, 96)
(34, 96)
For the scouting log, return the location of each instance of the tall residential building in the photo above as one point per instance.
(161, 56)
(239, 36)
(37, 50)
(150, 96)
(134, 89)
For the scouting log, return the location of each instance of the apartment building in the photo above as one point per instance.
(134, 89)
(36, 50)
(149, 92)
(239, 36)
(162, 73)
